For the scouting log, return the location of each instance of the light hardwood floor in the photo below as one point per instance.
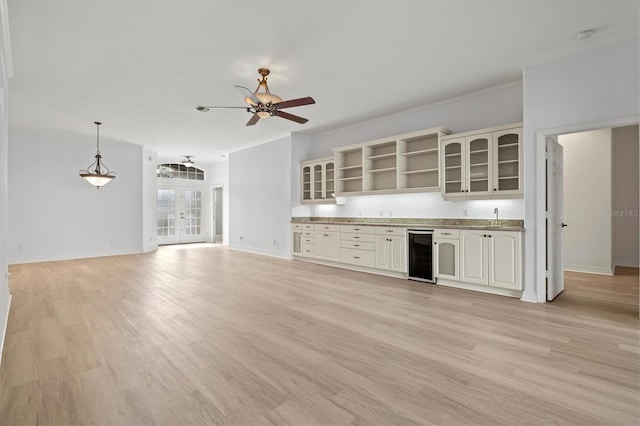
(207, 335)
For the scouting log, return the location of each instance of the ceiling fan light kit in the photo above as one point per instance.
(188, 162)
(264, 104)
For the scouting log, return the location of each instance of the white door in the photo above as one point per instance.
(446, 259)
(397, 256)
(504, 260)
(382, 252)
(474, 263)
(180, 215)
(555, 225)
(333, 246)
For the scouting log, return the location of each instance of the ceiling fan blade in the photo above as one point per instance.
(295, 103)
(253, 120)
(291, 117)
(205, 108)
(249, 94)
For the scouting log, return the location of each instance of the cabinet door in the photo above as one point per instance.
(504, 260)
(473, 257)
(382, 252)
(305, 174)
(445, 261)
(320, 245)
(507, 162)
(453, 170)
(317, 178)
(296, 243)
(333, 246)
(478, 160)
(397, 254)
(329, 180)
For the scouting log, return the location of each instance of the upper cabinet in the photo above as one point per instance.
(318, 181)
(403, 163)
(482, 164)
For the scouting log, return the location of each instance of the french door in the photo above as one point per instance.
(181, 215)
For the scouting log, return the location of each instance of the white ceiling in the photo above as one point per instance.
(140, 66)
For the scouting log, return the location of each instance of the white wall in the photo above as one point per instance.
(587, 201)
(625, 142)
(488, 108)
(54, 214)
(586, 91)
(5, 74)
(260, 198)
(149, 217)
(421, 205)
(219, 173)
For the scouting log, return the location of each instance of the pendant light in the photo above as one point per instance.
(98, 174)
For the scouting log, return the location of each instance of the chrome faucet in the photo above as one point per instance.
(496, 212)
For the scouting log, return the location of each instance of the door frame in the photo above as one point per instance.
(182, 186)
(214, 216)
(540, 192)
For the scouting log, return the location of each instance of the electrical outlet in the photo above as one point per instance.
(19, 247)
(390, 213)
(381, 212)
(274, 242)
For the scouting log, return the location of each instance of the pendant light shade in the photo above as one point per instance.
(97, 174)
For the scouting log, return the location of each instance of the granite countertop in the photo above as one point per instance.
(504, 225)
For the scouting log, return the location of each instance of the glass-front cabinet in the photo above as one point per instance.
(317, 181)
(483, 164)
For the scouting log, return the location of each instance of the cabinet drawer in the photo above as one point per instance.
(307, 240)
(347, 236)
(357, 257)
(307, 226)
(296, 226)
(307, 233)
(360, 245)
(307, 250)
(390, 231)
(358, 229)
(325, 227)
(446, 233)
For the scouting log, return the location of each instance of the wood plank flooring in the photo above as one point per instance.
(207, 335)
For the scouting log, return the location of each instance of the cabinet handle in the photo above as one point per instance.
(434, 243)
(389, 230)
(356, 257)
(495, 189)
(446, 233)
(356, 229)
(356, 245)
(325, 235)
(489, 236)
(485, 235)
(356, 238)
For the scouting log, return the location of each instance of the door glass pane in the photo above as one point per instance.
(447, 259)
(166, 212)
(192, 212)
(508, 152)
(479, 165)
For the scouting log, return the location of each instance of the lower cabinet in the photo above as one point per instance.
(491, 258)
(326, 245)
(296, 239)
(446, 254)
(391, 253)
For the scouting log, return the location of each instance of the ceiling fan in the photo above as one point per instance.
(265, 104)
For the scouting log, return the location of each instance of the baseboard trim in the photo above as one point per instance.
(6, 324)
(260, 251)
(586, 269)
(632, 263)
(69, 256)
(480, 288)
(375, 271)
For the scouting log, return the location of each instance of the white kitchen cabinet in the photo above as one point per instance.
(403, 163)
(296, 239)
(482, 164)
(474, 257)
(326, 242)
(446, 254)
(317, 181)
(491, 258)
(391, 251)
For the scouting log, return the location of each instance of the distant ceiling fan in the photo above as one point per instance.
(265, 104)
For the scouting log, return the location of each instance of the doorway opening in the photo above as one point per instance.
(592, 217)
(217, 214)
